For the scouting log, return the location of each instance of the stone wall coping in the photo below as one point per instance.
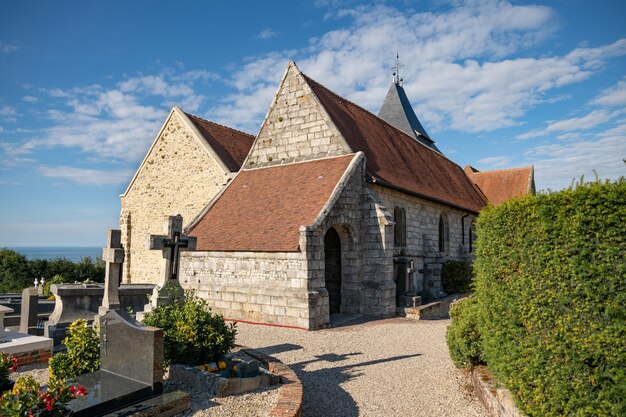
(495, 398)
(289, 402)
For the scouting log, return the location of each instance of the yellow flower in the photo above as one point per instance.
(221, 365)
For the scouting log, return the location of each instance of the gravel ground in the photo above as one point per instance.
(393, 367)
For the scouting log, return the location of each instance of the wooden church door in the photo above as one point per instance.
(332, 256)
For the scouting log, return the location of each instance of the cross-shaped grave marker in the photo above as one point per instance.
(171, 245)
(113, 255)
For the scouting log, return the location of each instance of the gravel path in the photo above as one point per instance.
(393, 367)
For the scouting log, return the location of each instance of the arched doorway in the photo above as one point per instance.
(332, 270)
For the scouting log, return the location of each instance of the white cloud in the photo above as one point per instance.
(6, 110)
(87, 176)
(567, 136)
(588, 121)
(114, 122)
(462, 68)
(30, 99)
(615, 96)
(266, 34)
(494, 162)
(7, 48)
(557, 165)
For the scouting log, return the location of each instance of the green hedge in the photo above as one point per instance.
(551, 291)
(463, 335)
(456, 276)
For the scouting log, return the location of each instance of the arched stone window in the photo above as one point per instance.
(443, 234)
(399, 216)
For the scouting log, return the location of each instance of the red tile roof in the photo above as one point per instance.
(397, 160)
(262, 209)
(231, 145)
(503, 184)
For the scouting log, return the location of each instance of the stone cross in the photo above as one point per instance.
(169, 290)
(171, 246)
(113, 255)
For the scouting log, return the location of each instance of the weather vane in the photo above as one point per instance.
(396, 70)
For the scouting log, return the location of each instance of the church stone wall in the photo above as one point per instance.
(422, 230)
(295, 127)
(178, 176)
(255, 286)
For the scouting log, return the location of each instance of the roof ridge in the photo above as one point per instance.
(217, 124)
(382, 120)
(504, 169)
(304, 161)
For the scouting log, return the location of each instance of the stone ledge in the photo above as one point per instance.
(439, 309)
(289, 402)
(497, 400)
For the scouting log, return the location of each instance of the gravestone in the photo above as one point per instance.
(29, 315)
(406, 295)
(131, 356)
(170, 245)
(113, 255)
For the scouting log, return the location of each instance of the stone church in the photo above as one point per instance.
(321, 213)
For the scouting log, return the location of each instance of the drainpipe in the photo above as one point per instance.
(463, 228)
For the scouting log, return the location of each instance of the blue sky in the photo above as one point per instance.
(85, 87)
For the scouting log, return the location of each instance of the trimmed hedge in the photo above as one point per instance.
(550, 286)
(463, 335)
(456, 276)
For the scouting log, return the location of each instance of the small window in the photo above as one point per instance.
(444, 234)
(471, 240)
(399, 215)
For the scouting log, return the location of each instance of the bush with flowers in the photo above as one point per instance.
(28, 398)
(8, 363)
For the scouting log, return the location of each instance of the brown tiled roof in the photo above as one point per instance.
(397, 160)
(231, 145)
(262, 209)
(501, 185)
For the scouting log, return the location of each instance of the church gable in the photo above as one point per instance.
(179, 175)
(296, 127)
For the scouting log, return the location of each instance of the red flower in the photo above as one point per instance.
(72, 390)
(82, 391)
(49, 407)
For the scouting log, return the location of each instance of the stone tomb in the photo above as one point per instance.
(131, 357)
(26, 347)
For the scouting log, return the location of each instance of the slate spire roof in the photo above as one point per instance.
(398, 112)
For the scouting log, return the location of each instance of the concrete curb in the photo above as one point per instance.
(290, 392)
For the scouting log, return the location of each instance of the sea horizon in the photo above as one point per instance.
(71, 253)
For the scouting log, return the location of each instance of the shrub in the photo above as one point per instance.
(456, 276)
(192, 333)
(463, 336)
(57, 279)
(551, 293)
(8, 363)
(83, 352)
(28, 398)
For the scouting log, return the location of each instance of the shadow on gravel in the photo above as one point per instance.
(283, 347)
(322, 391)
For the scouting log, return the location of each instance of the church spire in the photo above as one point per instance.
(397, 110)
